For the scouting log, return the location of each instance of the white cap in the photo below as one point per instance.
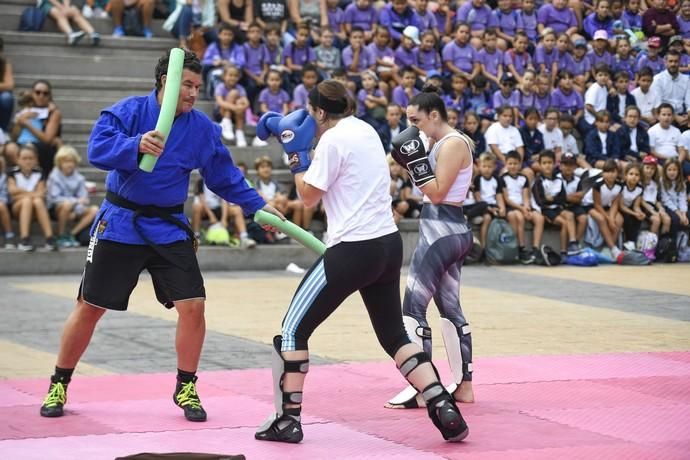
(413, 33)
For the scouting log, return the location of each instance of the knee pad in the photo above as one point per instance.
(458, 349)
(280, 367)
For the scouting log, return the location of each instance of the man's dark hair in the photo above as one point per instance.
(191, 63)
(547, 154)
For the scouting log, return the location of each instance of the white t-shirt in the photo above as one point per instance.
(664, 142)
(596, 97)
(552, 139)
(602, 138)
(646, 102)
(350, 166)
(570, 145)
(685, 140)
(506, 139)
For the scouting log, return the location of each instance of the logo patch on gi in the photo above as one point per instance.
(410, 147)
(101, 226)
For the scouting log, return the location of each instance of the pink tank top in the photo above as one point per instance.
(458, 191)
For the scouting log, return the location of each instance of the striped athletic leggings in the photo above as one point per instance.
(371, 267)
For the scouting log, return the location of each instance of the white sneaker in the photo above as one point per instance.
(87, 11)
(259, 143)
(294, 268)
(227, 129)
(629, 245)
(100, 13)
(615, 252)
(247, 243)
(241, 140)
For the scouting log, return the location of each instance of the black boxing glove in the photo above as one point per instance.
(409, 152)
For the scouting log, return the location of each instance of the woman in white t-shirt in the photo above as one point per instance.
(350, 174)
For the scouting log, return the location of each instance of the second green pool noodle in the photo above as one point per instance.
(307, 240)
(169, 104)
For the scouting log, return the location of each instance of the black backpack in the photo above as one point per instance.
(31, 20)
(131, 23)
(666, 250)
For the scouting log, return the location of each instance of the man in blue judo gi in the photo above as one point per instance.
(141, 225)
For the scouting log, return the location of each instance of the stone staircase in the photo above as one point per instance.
(85, 80)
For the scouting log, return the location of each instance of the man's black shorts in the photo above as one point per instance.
(112, 271)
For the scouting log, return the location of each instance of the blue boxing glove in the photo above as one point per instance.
(297, 131)
(267, 125)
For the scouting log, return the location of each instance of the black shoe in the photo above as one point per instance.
(526, 257)
(186, 397)
(573, 248)
(55, 400)
(285, 428)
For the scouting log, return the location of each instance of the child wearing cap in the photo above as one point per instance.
(573, 192)
(491, 59)
(405, 55)
(550, 197)
(652, 58)
(371, 102)
(658, 218)
(600, 54)
(507, 95)
(581, 66)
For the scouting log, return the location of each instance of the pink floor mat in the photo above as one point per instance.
(628, 405)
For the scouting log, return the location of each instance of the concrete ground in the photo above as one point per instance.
(517, 313)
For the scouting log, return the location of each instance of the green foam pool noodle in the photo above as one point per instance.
(293, 231)
(169, 105)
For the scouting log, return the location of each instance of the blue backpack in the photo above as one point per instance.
(32, 19)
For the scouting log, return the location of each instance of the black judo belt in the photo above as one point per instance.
(160, 212)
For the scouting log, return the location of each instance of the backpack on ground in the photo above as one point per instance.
(131, 22)
(32, 19)
(501, 243)
(646, 243)
(548, 256)
(585, 258)
(633, 258)
(682, 247)
(666, 250)
(593, 237)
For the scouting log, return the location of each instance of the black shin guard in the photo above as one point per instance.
(443, 410)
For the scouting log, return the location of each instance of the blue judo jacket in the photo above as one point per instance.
(193, 143)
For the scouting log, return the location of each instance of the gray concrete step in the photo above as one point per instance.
(67, 83)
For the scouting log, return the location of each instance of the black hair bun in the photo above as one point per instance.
(431, 88)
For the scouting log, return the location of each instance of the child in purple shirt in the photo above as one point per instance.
(528, 17)
(565, 98)
(219, 54)
(508, 22)
(298, 53)
(599, 53)
(456, 99)
(542, 97)
(557, 16)
(406, 90)
(426, 18)
(405, 54)
(684, 19)
(517, 60)
(507, 95)
(631, 15)
(599, 19)
(623, 60)
(371, 102)
(428, 58)
(356, 57)
(383, 56)
(581, 67)
(231, 105)
(459, 56)
(444, 20)
(652, 58)
(361, 14)
(526, 94)
(491, 59)
(273, 98)
(397, 15)
(256, 67)
(300, 96)
(478, 15)
(545, 56)
(336, 20)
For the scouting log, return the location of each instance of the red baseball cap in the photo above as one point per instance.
(650, 160)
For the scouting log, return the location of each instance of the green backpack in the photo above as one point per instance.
(501, 243)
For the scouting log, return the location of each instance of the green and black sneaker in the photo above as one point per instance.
(55, 400)
(187, 398)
